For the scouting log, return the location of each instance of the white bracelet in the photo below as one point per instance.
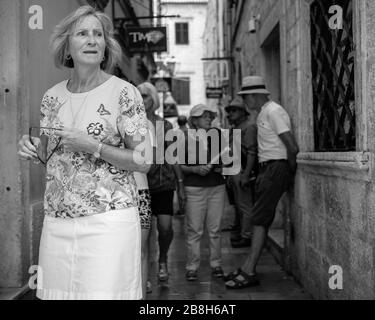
(98, 151)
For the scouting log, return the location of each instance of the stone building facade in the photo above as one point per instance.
(27, 71)
(329, 216)
(186, 55)
(217, 63)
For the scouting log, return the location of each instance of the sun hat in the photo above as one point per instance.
(253, 84)
(237, 103)
(199, 109)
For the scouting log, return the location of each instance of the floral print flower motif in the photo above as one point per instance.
(76, 159)
(91, 198)
(95, 129)
(113, 170)
(130, 127)
(124, 100)
(110, 135)
(50, 108)
(134, 125)
(114, 200)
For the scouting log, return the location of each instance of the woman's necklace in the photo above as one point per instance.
(79, 109)
(75, 117)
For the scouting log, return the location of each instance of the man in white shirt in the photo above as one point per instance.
(277, 151)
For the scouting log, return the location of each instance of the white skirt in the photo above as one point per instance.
(95, 257)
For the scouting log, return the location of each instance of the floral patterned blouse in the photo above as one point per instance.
(78, 184)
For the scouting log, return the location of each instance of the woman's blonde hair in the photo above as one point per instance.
(149, 88)
(59, 41)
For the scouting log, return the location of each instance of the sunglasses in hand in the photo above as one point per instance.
(35, 132)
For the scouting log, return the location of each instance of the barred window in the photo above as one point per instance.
(333, 77)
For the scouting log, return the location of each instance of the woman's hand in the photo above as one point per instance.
(27, 150)
(203, 170)
(244, 180)
(218, 169)
(75, 140)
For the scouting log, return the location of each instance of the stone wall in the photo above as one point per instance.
(332, 203)
(24, 56)
(12, 249)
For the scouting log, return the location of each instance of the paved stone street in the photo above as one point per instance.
(275, 284)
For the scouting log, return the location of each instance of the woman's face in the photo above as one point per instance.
(234, 114)
(87, 43)
(148, 101)
(205, 120)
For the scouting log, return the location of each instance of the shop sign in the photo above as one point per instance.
(147, 39)
(214, 93)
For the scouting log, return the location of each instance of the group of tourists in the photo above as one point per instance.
(103, 183)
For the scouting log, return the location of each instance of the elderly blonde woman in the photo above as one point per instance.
(91, 240)
(162, 180)
(205, 190)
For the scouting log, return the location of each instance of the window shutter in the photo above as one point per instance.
(182, 33)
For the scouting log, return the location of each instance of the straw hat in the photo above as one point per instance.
(253, 84)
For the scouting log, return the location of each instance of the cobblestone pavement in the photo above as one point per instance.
(275, 283)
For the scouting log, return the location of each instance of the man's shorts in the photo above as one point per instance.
(273, 180)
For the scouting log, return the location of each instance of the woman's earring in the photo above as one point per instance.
(68, 57)
(103, 58)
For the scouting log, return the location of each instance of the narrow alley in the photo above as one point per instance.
(275, 283)
(101, 105)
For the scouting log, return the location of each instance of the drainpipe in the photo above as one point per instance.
(230, 44)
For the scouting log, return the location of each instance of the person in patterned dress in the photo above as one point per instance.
(97, 128)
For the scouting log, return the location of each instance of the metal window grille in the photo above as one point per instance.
(333, 77)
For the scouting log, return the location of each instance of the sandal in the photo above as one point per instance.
(163, 272)
(242, 280)
(232, 275)
(148, 287)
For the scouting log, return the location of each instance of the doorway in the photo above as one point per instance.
(271, 63)
(271, 67)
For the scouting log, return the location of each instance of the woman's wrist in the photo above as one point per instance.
(93, 146)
